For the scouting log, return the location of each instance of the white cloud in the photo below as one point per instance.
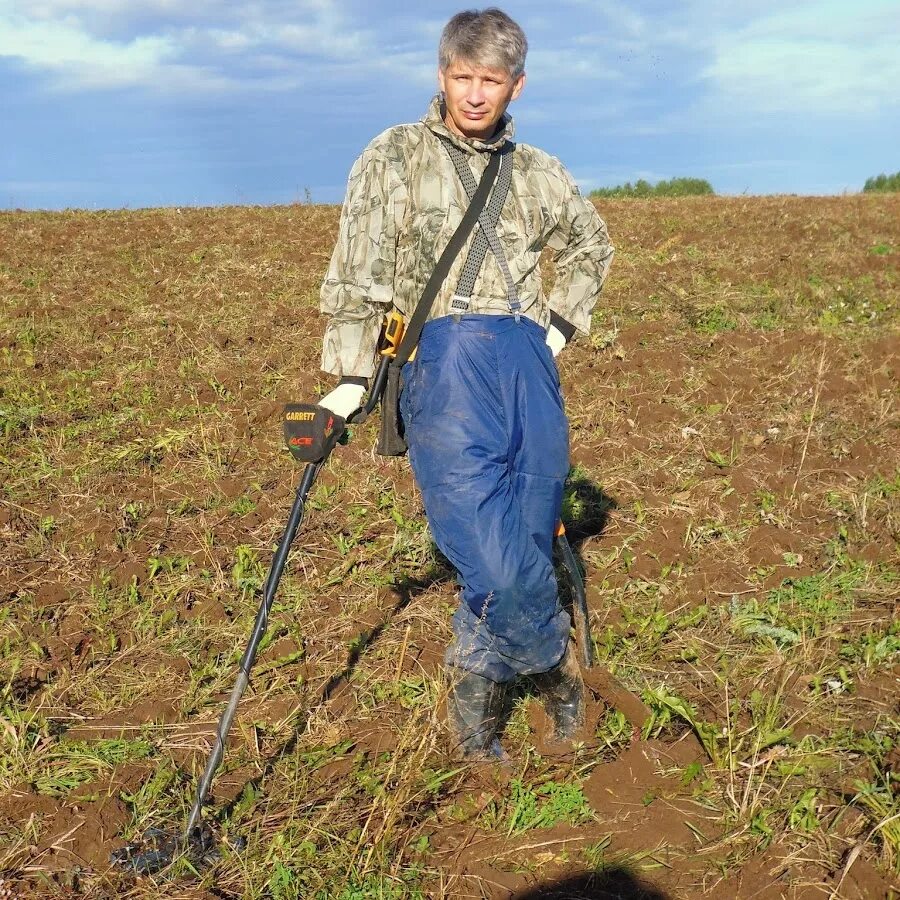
(75, 58)
(754, 56)
(620, 19)
(54, 9)
(114, 19)
(319, 38)
(709, 58)
(555, 67)
(803, 76)
(840, 59)
(167, 45)
(63, 48)
(160, 43)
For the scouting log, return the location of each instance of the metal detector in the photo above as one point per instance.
(311, 433)
(158, 849)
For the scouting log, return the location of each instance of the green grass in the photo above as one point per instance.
(536, 806)
(800, 608)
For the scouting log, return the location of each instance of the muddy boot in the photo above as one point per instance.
(562, 692)
(475, 711)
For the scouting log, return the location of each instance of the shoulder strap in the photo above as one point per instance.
(487, 237)
(451, 251)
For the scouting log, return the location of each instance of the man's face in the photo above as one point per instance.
(476, 97)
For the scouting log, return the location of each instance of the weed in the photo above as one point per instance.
(247, 572)
(70, 764)
(383, 887)
(713, 320)
(882, 803)
(708, 532)
(800, 608)
(770, 318)
(152, 800)
(410, 692)
(852, 304)
(753, 620)
(517, 725)
(542, 806)
(174, 564)
(691, 773)
(614, 729)
(666, 707)
(759, 826)
(242, 506)
(874, 647)
(604, 338)
(601, 861)
(802, 816)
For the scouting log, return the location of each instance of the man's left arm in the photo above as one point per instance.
(583, 254)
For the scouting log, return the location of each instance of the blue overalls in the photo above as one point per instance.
(488, 445)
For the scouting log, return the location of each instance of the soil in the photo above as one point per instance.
(734, 430)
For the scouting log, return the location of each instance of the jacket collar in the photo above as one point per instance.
(434, 121)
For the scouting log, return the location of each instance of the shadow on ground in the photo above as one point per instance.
(586, 512)
(586, 509)
(405, 590)
(611, 884)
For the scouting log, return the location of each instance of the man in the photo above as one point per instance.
(484, 419)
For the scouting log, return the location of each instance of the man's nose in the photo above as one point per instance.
(476, 93)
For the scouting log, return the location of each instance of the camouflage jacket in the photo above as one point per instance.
(404, 201)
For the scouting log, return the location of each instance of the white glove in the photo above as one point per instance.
(344, 400)
(555, 340)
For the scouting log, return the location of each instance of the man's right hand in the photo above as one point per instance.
(344, 400)
(312, 429)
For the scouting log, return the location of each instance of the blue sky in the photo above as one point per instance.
(110, 103)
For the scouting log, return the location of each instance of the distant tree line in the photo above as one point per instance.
(676, 187)
(882, 183)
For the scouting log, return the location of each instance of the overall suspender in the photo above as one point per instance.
(486, 237)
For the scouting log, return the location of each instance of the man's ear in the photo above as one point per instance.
(517, 87)
(441, 80)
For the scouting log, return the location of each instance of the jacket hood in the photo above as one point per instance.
(434, 121)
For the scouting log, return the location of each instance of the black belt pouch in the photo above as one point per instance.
(391, 438)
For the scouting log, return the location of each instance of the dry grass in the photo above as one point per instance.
(735, 497)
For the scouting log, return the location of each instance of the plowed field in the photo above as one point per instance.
(734, 499)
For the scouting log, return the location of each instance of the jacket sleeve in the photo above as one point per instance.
(582, 254)
(359, 285)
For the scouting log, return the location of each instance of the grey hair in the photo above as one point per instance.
(487, 37)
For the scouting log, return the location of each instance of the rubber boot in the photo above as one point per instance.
(562, 692)
(475, 710)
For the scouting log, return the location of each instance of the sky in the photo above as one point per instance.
(136, 103)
